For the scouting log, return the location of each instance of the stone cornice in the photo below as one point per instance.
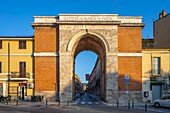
(132, 25)
(88, 22)
(47, 54)
(36, 24)
(11, 38)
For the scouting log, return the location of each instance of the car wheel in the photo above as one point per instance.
(157, 104)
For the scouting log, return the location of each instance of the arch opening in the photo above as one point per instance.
(97, 79)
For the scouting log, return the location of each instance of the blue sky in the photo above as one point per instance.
(16, 15)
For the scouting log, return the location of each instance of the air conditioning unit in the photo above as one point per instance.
(30, 85)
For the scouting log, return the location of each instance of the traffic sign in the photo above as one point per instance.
(127, 78)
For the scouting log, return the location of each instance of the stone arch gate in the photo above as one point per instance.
(58, 40)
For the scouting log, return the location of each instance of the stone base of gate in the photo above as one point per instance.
(50, 95)
(123, 97)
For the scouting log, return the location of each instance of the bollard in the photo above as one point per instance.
(46, 101)
(67, 102)
(7, 101)
(133, 103)
(16, 101)
(117, 103)
(128, 104)
(58, 102)
(146, 106)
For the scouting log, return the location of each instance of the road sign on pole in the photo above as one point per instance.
(127, 78)
(127, 82)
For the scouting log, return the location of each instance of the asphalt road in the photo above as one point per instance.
(85, 104)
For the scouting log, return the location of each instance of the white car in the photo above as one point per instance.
(162, 102)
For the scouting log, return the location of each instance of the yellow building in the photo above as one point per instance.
(16, 66)
(156, 73)
(78, 84)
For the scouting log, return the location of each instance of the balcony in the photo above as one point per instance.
(156, 75)
(20, 75)
(157, 72)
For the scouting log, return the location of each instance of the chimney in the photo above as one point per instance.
(160, 15)
(163, 13)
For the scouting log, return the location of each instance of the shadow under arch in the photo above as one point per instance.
(77, 37)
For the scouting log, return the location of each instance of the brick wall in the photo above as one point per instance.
(130, 41)
(45, 39)
(131, 66)
(45, 66)
(45, 73)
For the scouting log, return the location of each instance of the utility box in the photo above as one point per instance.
(146, 93)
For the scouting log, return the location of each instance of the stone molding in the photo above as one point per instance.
(46, 54)
(130, 54)
(16, 54)
(132, 25)
(79, 35)
(43, 24)
(88, 22)
(100, 17)
(87, 19)
(16, 38)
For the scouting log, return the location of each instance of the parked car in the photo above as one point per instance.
(162, 102)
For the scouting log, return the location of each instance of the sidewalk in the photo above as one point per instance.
(46, 103)
(42, 104)
(121, 104)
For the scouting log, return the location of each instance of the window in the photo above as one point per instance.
(156, 66)
(22, 44)
(0, 67)
(22, 69)
(0, 44)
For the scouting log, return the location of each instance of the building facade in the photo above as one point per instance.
(78, 84)
(156, 73)
(117, 40)
(156, 60)
(161, 31)
(16, 66)
(94, 79)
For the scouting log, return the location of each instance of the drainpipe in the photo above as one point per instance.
(8, 69)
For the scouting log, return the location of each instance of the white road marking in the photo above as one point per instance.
(96, 102)
(82, 102)
(89, 102)
(77, 107)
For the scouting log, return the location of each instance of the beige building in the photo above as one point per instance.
(156, 73)
(161, 31)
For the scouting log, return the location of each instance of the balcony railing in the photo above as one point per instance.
(157, 72)
(156, 75)
(20, 75)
